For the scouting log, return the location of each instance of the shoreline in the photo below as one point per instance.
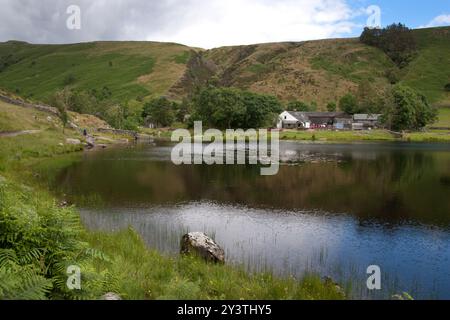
(431, 136)
(117, 255)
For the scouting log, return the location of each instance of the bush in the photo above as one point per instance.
(410, 110)
(447, 87)
(392, 75)
(331, 107)
(69, 79)
(8, 60)
(348, 104)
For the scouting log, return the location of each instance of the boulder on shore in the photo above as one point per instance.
(200, 244)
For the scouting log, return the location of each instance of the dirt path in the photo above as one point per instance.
(18, 133)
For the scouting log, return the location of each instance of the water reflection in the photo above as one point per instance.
(369, 181)
(333, 209)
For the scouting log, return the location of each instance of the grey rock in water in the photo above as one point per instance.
(200, 244)
(111, 296)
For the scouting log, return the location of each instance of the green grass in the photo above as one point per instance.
(182, 58)
(143, 274)
(259, 68)
(120, 66)
(364, 63)
(47, 142)
(339, 136)
(429, 72)
(443, 119)
(15, 119)
(429, 136)
(374, 135)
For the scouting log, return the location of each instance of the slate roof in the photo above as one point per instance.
(366, 117)
(306, 116)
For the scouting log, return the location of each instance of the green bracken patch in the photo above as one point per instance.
(182, 58)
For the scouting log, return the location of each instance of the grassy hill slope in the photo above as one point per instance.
(313, 71)
(128, 69)
(323, 71)
(429, 72)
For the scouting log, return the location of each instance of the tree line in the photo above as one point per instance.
(396, 40)
(225, 108)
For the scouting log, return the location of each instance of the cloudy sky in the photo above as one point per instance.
(207, 23)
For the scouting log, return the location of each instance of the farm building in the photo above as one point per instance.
(366, 121)
(313, 120)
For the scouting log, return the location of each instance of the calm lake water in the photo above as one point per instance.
(333, 209)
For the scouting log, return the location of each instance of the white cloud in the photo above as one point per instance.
(217, 23)
(442, 20)
(202, 23)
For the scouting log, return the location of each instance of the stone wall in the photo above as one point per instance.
(21, 103)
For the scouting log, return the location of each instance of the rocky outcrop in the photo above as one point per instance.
(197, 243)
(199, 71)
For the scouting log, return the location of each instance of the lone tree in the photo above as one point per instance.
(409, 110)
(60, 101)
(161, 111)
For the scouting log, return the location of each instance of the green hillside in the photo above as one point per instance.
(430, 71)
(313, 71)
(323, 71)
(128, 69)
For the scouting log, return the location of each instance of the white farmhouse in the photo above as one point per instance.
(293, 120)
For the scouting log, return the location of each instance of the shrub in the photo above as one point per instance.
(349, 104)
(393, 75)
(447, 87)
(69, 79)
(331, 106)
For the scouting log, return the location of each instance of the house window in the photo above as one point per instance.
(285, 117)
